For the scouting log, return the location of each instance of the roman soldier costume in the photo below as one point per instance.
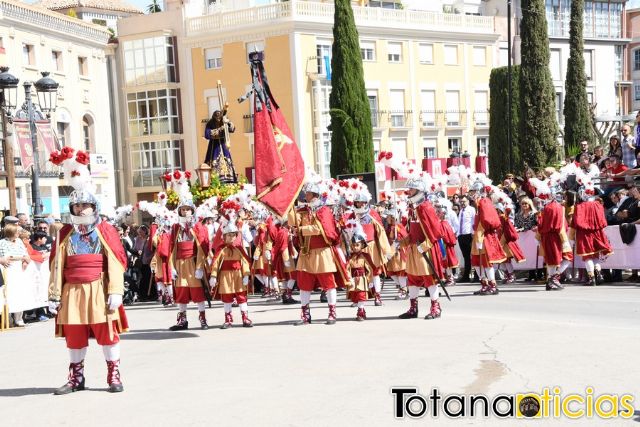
(397, 265)
(87, 278)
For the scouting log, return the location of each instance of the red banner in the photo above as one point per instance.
(23, 136)
(279, 165)
(47, 136)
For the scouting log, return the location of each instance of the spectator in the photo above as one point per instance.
(127, 242)
(615, 149)
(526, 218)
(621, 201)
(23, 221)
(587, 167)
(465, 233)
(43, 226)
(40, 272)
(628, 147)
(631, 215)
(637, 141)
(584, 149)
(144, 253)
(598, 155)
(12, 252)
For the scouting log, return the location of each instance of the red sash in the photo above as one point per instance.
(358, 272)
(230, 265)
(186, 250)
(83, 268)
(416, 235)
(317, 242)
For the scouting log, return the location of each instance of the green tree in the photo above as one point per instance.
(154, 7)
(499, 104)
(577, 120)
(538, 125)
(351, 132)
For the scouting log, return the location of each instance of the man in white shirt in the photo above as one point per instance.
(465, 233)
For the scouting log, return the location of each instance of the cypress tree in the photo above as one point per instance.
(499, 103)
(351, 132)
(538, 125)
(577, 121)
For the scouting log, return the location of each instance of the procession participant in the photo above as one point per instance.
(509, 242)
(423, 249)
(587, 226)
(378, 246)
(230, 270)
(318, 260)
(282, 262)
(361, 268)
(86, 286)
(552, 234)
(262, 256)
(164, 276)
(486, 251)
(188, 252)
(449, 239)
(397, 265)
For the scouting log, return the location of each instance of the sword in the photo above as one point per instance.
(431, 266)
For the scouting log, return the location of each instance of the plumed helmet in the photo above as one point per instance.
(187, 203)
(230, 228)
(361, 196)
(391, 212)
(311, 187)
(417, 184)
(477, 186)
(83, 196)
(359, 237)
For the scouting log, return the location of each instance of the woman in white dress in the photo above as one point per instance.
(14, 259)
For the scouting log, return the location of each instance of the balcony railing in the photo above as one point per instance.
(429, 119)
(455, 118)
(47, 169)
(481, 118)
(322, 13)
(376, 118)
(400, 118)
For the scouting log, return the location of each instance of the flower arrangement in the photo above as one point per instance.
(216, 188)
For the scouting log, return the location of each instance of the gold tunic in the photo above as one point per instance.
(230, 281)
(359, 283)
(379, 248)
(186, 268)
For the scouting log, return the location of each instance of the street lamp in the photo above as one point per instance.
(47, 93)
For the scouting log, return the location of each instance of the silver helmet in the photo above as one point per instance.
(230, 228)
(84, 196)
(417, 184)
(311, 187)
(358, 237)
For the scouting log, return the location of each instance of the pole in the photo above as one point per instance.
(509, 90)
(35, 175)
(9, 167)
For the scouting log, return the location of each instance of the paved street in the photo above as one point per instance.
(276, 374)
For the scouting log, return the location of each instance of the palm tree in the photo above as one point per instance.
(154, 7)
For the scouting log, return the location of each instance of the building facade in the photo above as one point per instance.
(101, 12)
(426, 74)
(34, 39)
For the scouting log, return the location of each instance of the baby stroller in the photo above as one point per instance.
(130, 286)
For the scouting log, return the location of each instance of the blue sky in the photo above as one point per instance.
(142, 4)
(632, 4)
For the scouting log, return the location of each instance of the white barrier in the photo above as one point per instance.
(624, 256)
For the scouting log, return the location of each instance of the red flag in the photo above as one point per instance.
(279, 165)
(23, 135)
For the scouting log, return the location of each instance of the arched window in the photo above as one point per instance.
(88, 138)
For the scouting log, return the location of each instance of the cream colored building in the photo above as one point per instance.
(34, 39)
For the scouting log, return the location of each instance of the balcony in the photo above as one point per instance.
(429, 119)
(376, 118)
(400, 119)
(455, 118)
(322, 14)
(481, 119)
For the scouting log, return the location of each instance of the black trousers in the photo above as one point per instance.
(465, 247)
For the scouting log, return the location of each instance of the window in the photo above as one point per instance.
(428, 108)
(323, 53)
(396, 102)
(619, 52)
(87, 134)
(479, 56)
(556, 65)
(482, 145)
(149, 160)
(399, 147)
(82, 66)
(429, 148)
(368, 50)
(62, 129)
(504, 56)
(453, 144)
(452, 99)
(28, 54)
(636, 92)
(150, 60)
(636, 60)
(590, 97)
(56, 60)
(321, 93)
(481, 115)
(153, 112)
(588, 64)
(373, 105)
(386, 4)
(376, 148)
(394, 52)
(425, 53)
(323, 154)
(450, 54)
(213, 58)
(559, 114)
